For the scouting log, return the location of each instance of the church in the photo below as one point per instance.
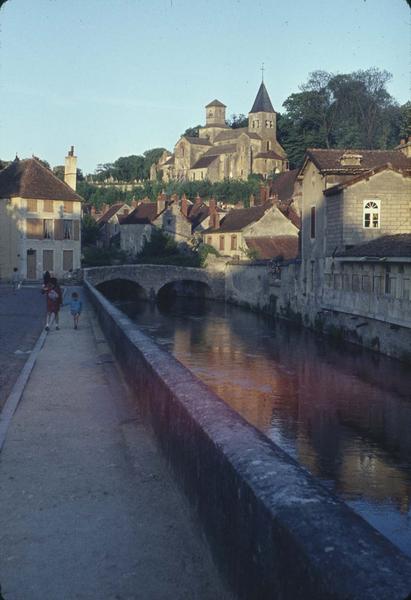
(220, 152)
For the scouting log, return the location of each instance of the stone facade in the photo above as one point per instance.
(355, 269)
(265, 223)
(220, 152)
(40, 220)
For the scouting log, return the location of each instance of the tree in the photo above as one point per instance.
(129, 168)
(237, 121)
(43, 162)
(150, 157)
(58, 171)
(192, 131)
(89, 231)
(337, 111)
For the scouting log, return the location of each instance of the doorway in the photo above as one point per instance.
(31, 264)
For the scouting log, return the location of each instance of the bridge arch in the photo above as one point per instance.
(188, 288)
(152, 278)
(122, 289)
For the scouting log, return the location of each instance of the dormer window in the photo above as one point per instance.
(371, 218)
(350, 159)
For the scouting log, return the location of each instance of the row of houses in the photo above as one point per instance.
(267, 229)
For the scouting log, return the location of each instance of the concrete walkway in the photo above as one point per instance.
(88, 508)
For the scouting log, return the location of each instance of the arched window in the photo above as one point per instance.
(371, 214)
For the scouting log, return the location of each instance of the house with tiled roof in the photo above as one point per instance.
(177, 218)
(355, 272)
(262, 231)
(40, 219)
(109, 222)
(220, 152)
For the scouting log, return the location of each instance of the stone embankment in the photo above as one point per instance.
(274, 530)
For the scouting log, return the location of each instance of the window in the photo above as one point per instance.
(377, 285)
(48, 206)
(371, 214)
(268, 146)
(68, 206)
(67, 260)
(48, 229)
(355, 282)
(68, 230)
(366, 283)
(406, 288)
(48, 260)
(34, 229)
(346, 281)
(221, 242)
(233, 242)
(312, 222)
(337, 281)
(32, 205)
(209, 240)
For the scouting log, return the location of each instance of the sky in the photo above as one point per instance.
(119, 77)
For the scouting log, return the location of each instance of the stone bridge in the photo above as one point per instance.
(150, 281)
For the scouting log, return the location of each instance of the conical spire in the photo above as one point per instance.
(262, 102)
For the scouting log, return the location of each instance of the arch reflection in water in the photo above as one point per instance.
(343, 413)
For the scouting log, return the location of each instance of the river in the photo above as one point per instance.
(343, 412)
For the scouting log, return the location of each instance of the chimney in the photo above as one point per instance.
(161, 202)
(405, 147)
(263, 194)
(214, 222)
(184, 205)
(93, 211)
(134, 203)
(70, 169)
(252, 200)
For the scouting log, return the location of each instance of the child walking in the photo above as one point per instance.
(75, 308)
(54, 299)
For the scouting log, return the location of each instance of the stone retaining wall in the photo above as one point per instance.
(275, 531)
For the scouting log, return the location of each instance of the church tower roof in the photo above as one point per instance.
(262, 102)
(216, 103)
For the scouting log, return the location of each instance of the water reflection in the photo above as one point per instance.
(343, 413)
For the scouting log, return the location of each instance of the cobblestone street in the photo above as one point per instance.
(21, 319)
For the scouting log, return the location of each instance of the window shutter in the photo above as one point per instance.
(76, 229)
(35, 229)
(58, 229)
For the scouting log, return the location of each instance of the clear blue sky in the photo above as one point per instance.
(119, 77)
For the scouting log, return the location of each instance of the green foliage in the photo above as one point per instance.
(251, 253)
(204, 250)
(230, 191)
(237, 121)
(100, 257)
(338, 111)
(192, 131)
(43, 162)
(161, 249)
(159, 244)
(129, 168)
(89, 231)
(59, 172)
